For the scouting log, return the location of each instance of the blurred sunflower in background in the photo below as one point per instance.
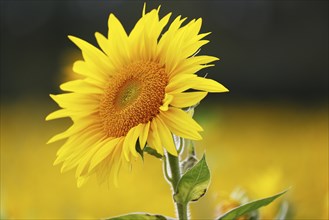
(134, 90)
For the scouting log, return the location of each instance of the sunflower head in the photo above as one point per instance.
(134, 89)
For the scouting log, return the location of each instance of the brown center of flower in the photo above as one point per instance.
(133, 96)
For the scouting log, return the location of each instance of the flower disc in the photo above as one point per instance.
(133, 96)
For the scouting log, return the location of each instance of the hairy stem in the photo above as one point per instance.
(175, 177)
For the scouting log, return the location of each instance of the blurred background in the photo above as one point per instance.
(269, 133)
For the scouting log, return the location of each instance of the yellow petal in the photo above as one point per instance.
(188, 66)
(166, 136)
(82, 68)
(208, 85)
(138, 130)
(168, 35)
(144, 41)
(80, 131)
(153, 138)
(103, 152)
(75, 101)
(187, 99)
(155, 27)
(86, 157)
(115, 27)
(126, 144)
(193, 69)
(63, 135)
(181, 124)
(58, 114)
(180, 83)
(78, 145)
(103, 43)
(81, 86)
(118, 42)
(144, 134)
(93, 56)
(191, 49)
(82, 124)
(144, 9)
(167, 100)
(129, 143)
(112, 165)
(168, 44)
(82, 180)
(62, 113)
(194, 27)
(185, 39)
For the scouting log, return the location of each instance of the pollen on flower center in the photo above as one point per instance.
(133, 96)
(128, 93)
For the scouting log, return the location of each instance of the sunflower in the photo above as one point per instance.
(133, 91)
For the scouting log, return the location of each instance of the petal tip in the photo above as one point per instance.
(72, 38)
(48, 117)
(51, 140)
(144, 9)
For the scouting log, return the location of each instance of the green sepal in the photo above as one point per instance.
(248, 207)
(194, 183)
(148, 150)
(139, 150)
(139, 216)
(152, 152)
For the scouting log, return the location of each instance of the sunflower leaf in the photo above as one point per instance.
(194, 183)
(139, 216)
(248, 207)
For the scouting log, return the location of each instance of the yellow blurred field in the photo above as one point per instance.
(261, 147)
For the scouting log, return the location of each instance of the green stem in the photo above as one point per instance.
(175, 177)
